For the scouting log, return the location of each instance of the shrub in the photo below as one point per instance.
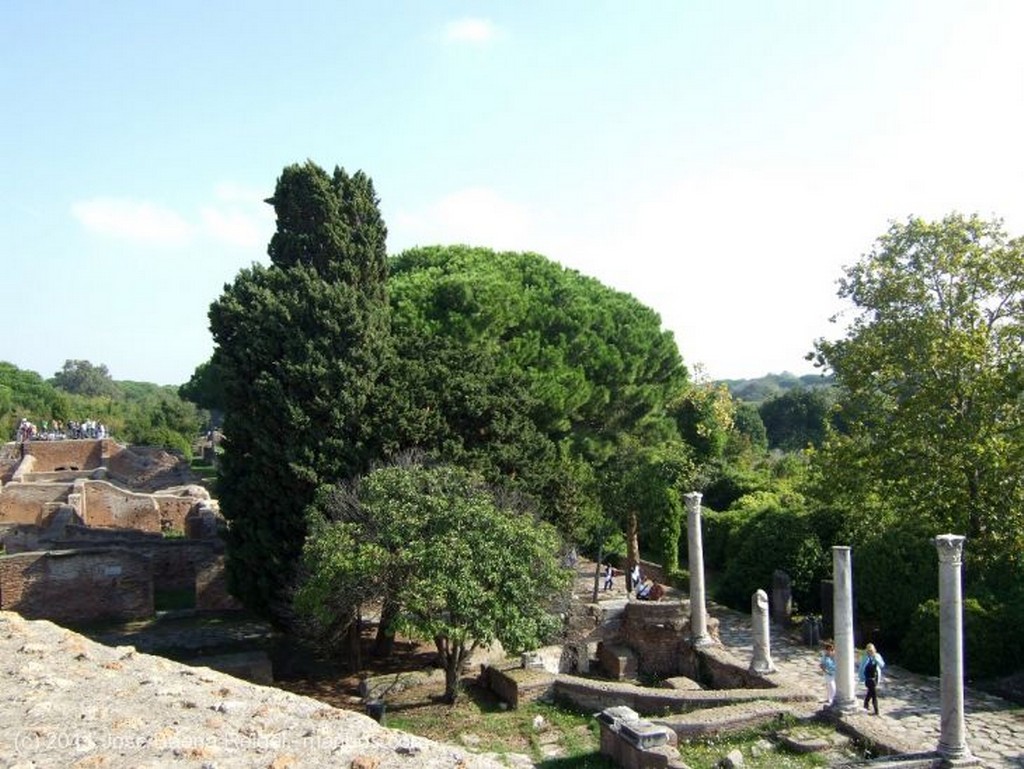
(987, 650)
(895, 570)
(772, 535)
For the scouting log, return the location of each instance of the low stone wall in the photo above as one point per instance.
(517, 685)
(77, 585)
(591, 694)
(717, 668)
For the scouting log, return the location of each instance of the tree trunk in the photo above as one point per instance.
(597, 571)
(632, 544)
(384, 643)
(355, 637)
(451, 656)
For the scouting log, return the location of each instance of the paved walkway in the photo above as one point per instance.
(909, 703)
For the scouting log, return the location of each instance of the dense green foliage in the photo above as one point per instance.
(932, 374)
(301, 345)
(798, 418)
(137, 413)
(451, 562)
(534, 375)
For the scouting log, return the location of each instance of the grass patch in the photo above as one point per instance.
(760, 748)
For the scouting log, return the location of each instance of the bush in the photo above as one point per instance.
(895, 571)
(987, 649)
(772, 536)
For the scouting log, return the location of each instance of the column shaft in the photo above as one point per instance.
(842, 614)
(953, 728)
(698, 611)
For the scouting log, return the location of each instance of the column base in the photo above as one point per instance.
(959, 755)
(704, 640)
(845, 706)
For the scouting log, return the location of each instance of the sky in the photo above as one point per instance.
(720, 161)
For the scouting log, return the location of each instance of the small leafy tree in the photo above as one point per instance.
(453, 563)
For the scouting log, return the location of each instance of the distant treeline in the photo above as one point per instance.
(138, 413)
(770, 386)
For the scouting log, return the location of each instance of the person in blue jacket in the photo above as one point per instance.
(871, 666)
(827, 663)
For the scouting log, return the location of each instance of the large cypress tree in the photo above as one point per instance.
(301, 345)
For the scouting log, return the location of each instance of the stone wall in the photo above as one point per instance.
(77, 585)
(30, 502)
(212, 587)
(104, 505)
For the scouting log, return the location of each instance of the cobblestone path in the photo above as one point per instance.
(909, 703)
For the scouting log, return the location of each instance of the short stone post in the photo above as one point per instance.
(842, 615)
(761, 662)
(952, 728)
(698, 612)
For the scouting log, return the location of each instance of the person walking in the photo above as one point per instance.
(871, 666)
(828, 667)
(609, 576)
(634, 578)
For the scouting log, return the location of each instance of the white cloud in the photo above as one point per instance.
(136, 220)
(235, 227)
(476, 31)
(237, 217)
(474, 216)
(241, 217)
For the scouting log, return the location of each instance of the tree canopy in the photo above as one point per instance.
(932, 375)
(456, 564)
(300, 345)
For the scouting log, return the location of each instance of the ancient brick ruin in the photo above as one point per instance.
(93, 529)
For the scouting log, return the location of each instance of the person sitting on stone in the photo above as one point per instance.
(643, 591)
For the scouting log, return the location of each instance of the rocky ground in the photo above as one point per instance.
(70, 702)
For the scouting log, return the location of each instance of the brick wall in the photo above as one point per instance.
(177, 562)
(81, 455)
(173, 511)
(29, 502)
(212, 587)
(656, 632)
(78, 585)
(107, 506)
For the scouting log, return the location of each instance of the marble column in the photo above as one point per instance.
(952, 729)
(761, 662)
(842, 617)
(698, 611)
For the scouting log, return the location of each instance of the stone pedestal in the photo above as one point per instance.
(953, 730)
(698, 610)
(842, 615)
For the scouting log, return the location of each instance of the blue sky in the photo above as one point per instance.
(721, 161)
